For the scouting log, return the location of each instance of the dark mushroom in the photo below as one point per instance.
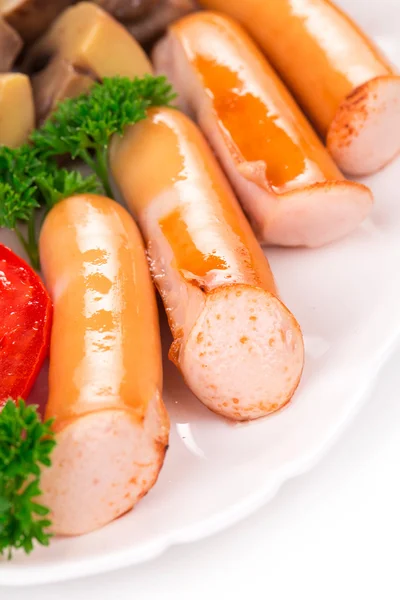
(17, 113)
(91, 41)
(128, 9)
(31, 18)
(10, 46)
(148, 29)
(59, 80)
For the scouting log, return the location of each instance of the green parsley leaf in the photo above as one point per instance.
(82, 127)
(26, 444)
(29, 181)
(15, 207)
(62, 183)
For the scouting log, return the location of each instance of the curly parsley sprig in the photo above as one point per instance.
(26, 444)
(82, 127)
(29, 181)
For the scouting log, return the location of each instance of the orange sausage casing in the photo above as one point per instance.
(287, 183)
(239, 348)
(105, 365)
(346, 86)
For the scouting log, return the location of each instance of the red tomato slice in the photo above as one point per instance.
(25, 325)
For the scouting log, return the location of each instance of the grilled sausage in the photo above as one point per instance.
(346, 86)
(287, 183)
(238, 347)
(105, 365)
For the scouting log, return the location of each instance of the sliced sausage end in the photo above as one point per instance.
(365, 133)
(102, 465)
(317, 215)
(244, 355)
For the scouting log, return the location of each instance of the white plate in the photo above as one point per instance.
(347, 299)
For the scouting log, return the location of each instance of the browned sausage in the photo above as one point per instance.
(289, 186)
(239, 348)
(105, 375)
(346, 86)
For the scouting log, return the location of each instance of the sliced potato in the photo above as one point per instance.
(31, 18)
(91, 40)
(59, 80)
(17, 113)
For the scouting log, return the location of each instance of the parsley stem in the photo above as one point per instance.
(33, 246)
(30, 245)
(21, 238)
(102, 169)
(98, 166)
(85, 156)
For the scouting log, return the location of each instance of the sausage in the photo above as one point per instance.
(105, 365)
(17, 111)
(287, 183)
(238, 347)
(346, 86)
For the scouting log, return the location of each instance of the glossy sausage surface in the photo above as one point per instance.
(288, 184)
(325, 59)
(215, 282)
(261, 119)
(105, 364)
(320, 53)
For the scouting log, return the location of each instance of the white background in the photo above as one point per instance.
(332, 533)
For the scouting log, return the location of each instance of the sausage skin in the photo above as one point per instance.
(238, 347)
(289, 186)
(105, 365)
(347, 88)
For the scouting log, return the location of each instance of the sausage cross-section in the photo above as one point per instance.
(348, 89)
(238, 347)
(105, 365)
(287, 183)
